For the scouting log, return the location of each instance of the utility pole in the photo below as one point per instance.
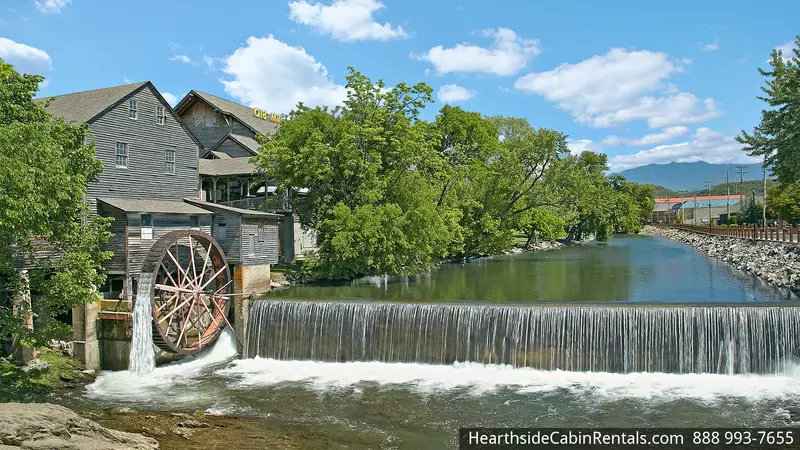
(741, 183)
(709, 183)
(694, 210)
(764, 209)
(728, 197)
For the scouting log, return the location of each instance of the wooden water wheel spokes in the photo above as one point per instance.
(190, 293)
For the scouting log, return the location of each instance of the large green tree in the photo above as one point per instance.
(370, 197)
(44, 219)
(777, 137)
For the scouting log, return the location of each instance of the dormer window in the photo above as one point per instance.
(132, 111)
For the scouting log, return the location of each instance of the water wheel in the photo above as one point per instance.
(190, 291)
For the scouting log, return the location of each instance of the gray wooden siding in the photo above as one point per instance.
(266, 249)
(210, 126)
(230, 243)
(162, 224)
(116, 243)
(145, 176)
(233, 149)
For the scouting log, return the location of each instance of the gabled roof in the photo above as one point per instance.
(217, 155)
(152, 206)
(226, 167)
(86, 106)
(246, 142)
(231, 209)
(243, 114)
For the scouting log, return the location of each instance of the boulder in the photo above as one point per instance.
(48, 426)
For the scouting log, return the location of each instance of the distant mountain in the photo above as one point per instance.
(690, 176)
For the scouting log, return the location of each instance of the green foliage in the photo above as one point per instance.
(783, 201)
(732, 220)
(35, 386)
(389, 193)
(777, 137)
(367, 167)
(44, 171)
(664, 192)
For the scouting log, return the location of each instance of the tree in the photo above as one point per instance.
(44, 219)
(777, 137)
(365, 165)
(783, 201)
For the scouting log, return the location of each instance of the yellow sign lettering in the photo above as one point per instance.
(263, 115)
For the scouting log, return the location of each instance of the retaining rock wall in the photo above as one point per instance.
(776, 262)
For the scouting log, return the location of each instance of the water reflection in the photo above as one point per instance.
(628, 269)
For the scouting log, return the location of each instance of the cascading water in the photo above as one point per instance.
(621, 339)
(142, 356)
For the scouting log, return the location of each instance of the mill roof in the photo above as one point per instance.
(153, 206)
(242, 113)
(225, 167)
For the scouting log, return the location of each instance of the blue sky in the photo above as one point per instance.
(643, 82)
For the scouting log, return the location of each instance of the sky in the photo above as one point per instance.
(644, 82)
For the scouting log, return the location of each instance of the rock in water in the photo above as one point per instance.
(44, 425)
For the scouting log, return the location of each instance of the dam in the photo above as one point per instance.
(389, 360)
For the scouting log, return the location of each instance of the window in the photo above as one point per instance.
(132, 112)
(147, 226)
(251, 247)
(122, 155)
(261, 232)
(169, 159)
(220, 232)
(161, 115)
(194, 222)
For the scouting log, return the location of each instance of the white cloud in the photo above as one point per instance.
(578, 146)
(24, 58)
(706, 145)
(170, 98)
(275, 76)
(787, 50)
(126, 80)
(181, 58)
(453, 93)
(612, 89)
(51, 6)
(686, 61)
(712, 47)
(209, 61)
(507, 55)
(345, 20)
(666, 135)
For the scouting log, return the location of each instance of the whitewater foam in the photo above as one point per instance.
(480, 379)
(125, 385)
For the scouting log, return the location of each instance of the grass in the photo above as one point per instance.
(17, 385)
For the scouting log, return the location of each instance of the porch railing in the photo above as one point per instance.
(277, 202)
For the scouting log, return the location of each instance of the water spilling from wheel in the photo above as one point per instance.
(142, 355)
(617, 339)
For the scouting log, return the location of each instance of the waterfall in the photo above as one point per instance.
(617, 338)
(142, 356)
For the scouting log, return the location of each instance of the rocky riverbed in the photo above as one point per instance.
(775, 262)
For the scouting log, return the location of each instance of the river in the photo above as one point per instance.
(639, 332)
(627, 268)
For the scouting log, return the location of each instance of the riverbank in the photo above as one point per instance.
(775, 262)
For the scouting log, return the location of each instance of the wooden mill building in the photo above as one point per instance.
(151, 186)
(228, 134)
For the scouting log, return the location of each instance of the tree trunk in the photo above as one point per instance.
(23, 310)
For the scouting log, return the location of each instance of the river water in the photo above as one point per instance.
(390, 374)
(628, 269)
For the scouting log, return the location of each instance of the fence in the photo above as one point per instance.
(775, 233)
(277, 202)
